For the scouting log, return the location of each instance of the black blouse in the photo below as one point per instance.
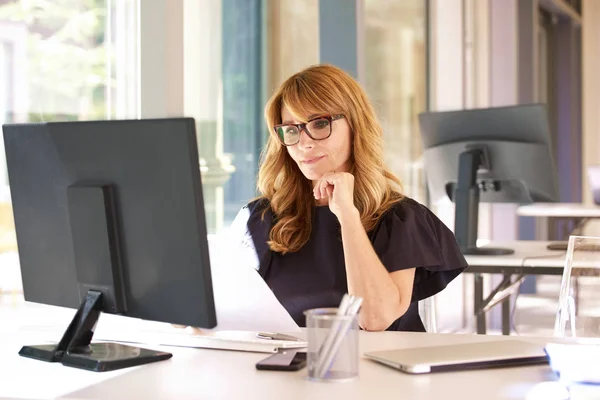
(407, 236)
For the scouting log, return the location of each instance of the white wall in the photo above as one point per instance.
(447, 93)
(161, 58)
(591, 89)
(202, 59)
(503, 53)
(591, 97)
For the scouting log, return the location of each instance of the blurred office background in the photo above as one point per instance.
(219, 60)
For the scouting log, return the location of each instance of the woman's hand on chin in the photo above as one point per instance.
(338, 188)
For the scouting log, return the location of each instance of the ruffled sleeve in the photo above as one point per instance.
(246, 238)
(411, 236)
(258, 223)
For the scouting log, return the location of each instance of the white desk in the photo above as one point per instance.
(559, 210)
(577, 213)
(209, 374)
(531, 257)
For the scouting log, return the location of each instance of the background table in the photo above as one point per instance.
(559, 210)
(574, 215)
(531, 257)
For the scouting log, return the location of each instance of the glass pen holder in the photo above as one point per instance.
(332, 345)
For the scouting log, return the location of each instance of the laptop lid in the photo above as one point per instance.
(459, 357)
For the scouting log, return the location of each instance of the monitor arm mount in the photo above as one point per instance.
(466, 199)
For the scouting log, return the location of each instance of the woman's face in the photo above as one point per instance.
(316, 157)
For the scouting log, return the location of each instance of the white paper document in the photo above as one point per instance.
(242, 298)
(145, 333)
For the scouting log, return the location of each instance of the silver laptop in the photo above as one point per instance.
(422, 360)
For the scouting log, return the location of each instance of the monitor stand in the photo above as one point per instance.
(75, 349)
(466, 199)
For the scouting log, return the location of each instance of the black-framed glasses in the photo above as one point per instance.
(318, 128)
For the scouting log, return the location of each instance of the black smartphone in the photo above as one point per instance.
(285, 361)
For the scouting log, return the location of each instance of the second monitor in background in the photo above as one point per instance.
(496, 155)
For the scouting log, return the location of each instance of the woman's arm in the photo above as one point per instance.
(386, 296)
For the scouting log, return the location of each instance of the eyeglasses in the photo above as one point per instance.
(317, 129)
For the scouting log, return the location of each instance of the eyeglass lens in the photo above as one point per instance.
(318, 129)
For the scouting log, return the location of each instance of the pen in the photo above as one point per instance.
(278, 336)
(342, 309)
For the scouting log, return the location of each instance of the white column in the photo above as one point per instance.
(503, 92)
(513, 78)
(125, 45)
(203, 56)
(15, 35)
(591, 89)
(447, 93)
(203, 100)
(477, 79)
(161, 58)
(590, 38)
(447, 55)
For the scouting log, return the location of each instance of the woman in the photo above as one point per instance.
(331, 219)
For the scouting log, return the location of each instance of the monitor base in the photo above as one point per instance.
(98, 357)
(487, 251)
(76, 350)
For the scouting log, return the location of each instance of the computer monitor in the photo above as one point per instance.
(500, 154)
(109, 217)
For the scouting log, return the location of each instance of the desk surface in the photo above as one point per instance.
(529, 254)
(559, 210)
(199, 373)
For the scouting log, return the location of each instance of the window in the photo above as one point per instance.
(242, 80)
(293, 38)
(62, 60)
(396, 78)
(263, 42)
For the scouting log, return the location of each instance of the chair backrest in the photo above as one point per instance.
(427, 314)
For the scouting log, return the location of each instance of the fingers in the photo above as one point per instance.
(320, 190)
(330, 178)
(324, 188)
(337, 188)
(330, 191)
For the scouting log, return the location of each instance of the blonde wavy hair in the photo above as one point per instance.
(322, 89)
